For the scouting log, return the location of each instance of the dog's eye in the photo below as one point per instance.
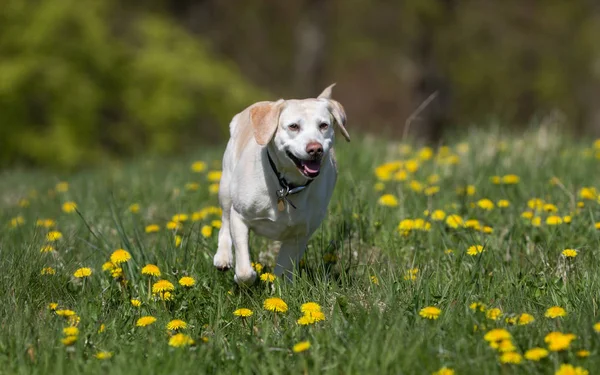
(294, 127)
(323, 126)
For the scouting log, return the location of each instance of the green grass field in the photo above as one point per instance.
(376, 262)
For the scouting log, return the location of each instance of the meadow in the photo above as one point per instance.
(480, 256)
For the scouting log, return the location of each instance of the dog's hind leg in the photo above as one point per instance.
(289, 256)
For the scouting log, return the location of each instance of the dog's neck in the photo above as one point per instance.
(284, 166)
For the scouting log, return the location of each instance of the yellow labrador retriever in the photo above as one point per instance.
(279, 172)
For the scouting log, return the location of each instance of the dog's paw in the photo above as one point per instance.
(222, 262)
(245, 278)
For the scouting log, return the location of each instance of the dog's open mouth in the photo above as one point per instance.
(309, 168)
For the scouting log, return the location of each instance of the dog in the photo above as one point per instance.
(279, 171)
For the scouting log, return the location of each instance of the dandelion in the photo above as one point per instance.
(152, 228)
(555, 312)
(374, 279)
(192, 186)
(71, 331)
(588, 193)
(301, 347)
(444, 371)
(69, 207)
(180, 340)
(145, 321)
(151, 269)
(497, 334)
(257, 267)
(478, 306)
(46, 223)
(69, 340)
(503, 203)
(454, 221)
(108, 266)
(510, 179)
(187, 281)
(306, 320)
(166, 296)
(511, 358)
(136, 302)
(176, 324)
(275, 304)
(243, 312)
(62, 187)
(47, 271)
(216, 224)
(102, 328)
(173, 225)
(65, 313)
(198, 166)
(525, 319)
(569, 253)
(583, 353)
(120, 256)
(54, 236)
(52, 306)
(597, 327)
(475, 249)
(438, 215)
(314, 316)
(103, 355)
(430, 312)
(558, 341)
(493, 314)
(388, 200)
(567, 369)
(214, 176)
(267, 277)
(206, 231)
(213, 188)
(83, 272)
(535, 354)
(379, 186)
(178, 240)
(554, 220)
(485, 204)
(411, 274)
(310, 307)
(179, 218)
(134, 208)
(162, 286)
(16, 221)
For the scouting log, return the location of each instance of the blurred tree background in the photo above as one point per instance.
(82, 82)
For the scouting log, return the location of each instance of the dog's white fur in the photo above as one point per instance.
(247, 192)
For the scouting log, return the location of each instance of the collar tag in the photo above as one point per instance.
(282, 194)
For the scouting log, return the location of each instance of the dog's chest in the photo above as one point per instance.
(289, 223)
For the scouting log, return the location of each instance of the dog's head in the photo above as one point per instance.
(300, 130)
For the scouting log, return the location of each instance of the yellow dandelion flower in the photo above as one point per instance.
(388, 200)
(83, 272)
(102, 328)
(198, 166)
(134, 208)
(583, 353)
(176, 324)
(301, 347)
(214, 176)
(474, 224)
(506, 346)
(108, 266)
(454, 221)
(145, 321)
(152, 228)
(120, 256)
(478, 306)
(206, 231)
(438, 215)
(510, 179)
(173, 225)
(135, 302)
(485, 204)
(69, 340)
(150, 269)
(310, 307)
(73, 320)
(165, 296)
(511, 358)
(525, 319)
(16, 221)
(415, 186)
(187, 281)
(275, 304)
(554, 220)
(558, 341)
(569, 253)
(47, 249)
(493, 314)
(180, 340)
(431, 190)
(178, 239)
(65, 313)
(257, 267)
(589, 193)
(444, 371)
(306, 320)
(267, 277)
(430, 312)
(315, 316)
(69, 207)
(103, 355)
(216, 224)
(379, 186)
(54, 236)
(597, 327)
(213, 188)
(597, 225)
(192, 186)
(374, 279)
(411, 274)
(116, 272)
(497, 334)
(162, 286)
(567, 369)
(496, 180)
(71, 331)
(503, 203)
(46, 223)
(475, 249)
(536, 221)
(243, 312)
(555, 312)
(62, 187)
(52, 306)
(179, 218)
(535, 354)
(47, 271)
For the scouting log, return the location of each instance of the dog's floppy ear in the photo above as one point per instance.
(337, 110)
(264, 118)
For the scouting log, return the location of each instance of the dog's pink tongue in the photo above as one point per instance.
(311, 166)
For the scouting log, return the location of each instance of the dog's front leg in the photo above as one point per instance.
(290, 253)
(244, 273)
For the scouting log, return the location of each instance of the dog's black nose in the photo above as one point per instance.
(314, 149)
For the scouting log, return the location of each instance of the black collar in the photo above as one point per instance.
(286, 188)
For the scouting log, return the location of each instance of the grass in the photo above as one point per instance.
(356, 268)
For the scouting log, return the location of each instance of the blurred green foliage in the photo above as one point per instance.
(82, 81)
